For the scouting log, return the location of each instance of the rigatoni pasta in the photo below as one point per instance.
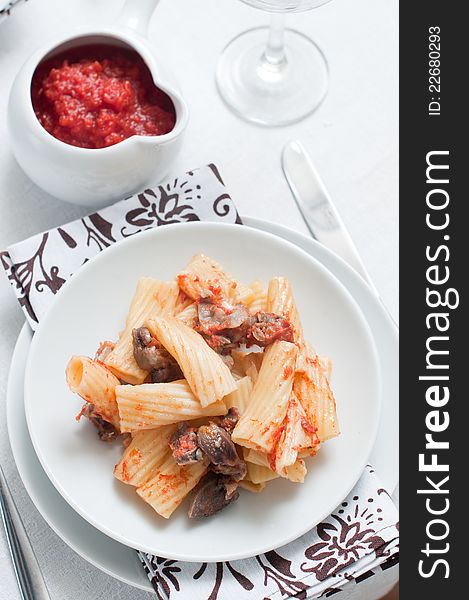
(203, 276)
(206, 373)
(315, 395)
(152, 297)
(260, 474)
(212, 387)
(151, 405)
(169, 484)
(258, 299)
(254, 488)
(298, 434)
(295, 472)
(95, 384)
(145, 453)
(280, 300)
(241, 397)
(260, 424)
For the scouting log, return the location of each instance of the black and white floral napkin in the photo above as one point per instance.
(39, 266)
(358, 540)
(6, 7)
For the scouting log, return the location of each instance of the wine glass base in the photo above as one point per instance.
(269, 94)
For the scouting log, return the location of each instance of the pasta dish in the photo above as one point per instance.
(211, 387)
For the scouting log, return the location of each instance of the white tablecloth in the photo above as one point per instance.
(352, 139)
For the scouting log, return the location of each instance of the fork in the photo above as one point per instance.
(27, 571)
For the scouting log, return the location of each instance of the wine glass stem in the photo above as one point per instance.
(274, 54)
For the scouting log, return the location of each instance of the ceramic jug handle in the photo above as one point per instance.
(136, 15)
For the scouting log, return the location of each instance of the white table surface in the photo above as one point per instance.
(352, 138)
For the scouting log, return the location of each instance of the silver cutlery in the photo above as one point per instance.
(27, 571)
(318, 210)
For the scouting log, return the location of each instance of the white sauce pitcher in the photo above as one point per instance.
(94, 177)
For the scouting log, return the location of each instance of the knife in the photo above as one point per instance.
(27, 571)
(318, 210)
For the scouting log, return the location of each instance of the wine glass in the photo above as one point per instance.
(273, 76)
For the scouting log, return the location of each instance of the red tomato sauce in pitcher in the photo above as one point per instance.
(98, 96)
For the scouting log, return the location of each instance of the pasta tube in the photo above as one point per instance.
(295, 472)
(280, 301)
(204, 276)
(206, 373)
(260, 474)
(259, 427)
(298, 434)
(144, 455)
(151, 405)
(241, 396)
(151, 298)
(256, 457)
(170, 484)
(243, 293)
(258, 300)
(254, 488)
(96, 384)
(315, 395)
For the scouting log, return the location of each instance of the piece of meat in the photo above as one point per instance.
(228, 421)
(150, 355)
(226, 327)
(269, 328)
(170, 372)
(236, 472)
(213, 318)
(212, 495)
(106, 431)
(147, 350)
(184, 446)
(217, 445)
(231, 488)
(222, 325)
(213, 441)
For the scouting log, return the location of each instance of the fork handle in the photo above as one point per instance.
(28, 573)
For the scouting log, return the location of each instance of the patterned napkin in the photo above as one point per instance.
(6, 6)
(360, 538)
(39, 266)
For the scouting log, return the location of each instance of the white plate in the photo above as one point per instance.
(120, 561)
(92, 306)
